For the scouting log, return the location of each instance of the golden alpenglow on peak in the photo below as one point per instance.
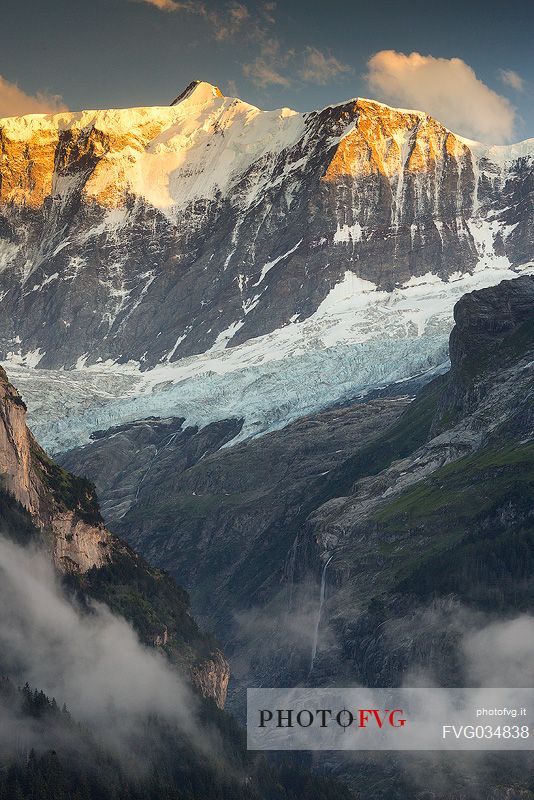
(198, 92)
(389, 141)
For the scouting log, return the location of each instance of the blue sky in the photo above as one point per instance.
(474, 69)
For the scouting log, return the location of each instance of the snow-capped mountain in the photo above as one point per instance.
(209, 259)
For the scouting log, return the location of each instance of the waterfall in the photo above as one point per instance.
(318, 623)
(289, 570)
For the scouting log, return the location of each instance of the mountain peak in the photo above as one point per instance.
(198, 92)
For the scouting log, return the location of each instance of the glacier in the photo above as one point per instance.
(359, 339)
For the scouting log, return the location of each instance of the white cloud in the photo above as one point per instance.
(321, 68)
(501, 653)
(267, 68)
(511, 78)
(225, 22)
(15, 102)
(262, 73)
(276, 66)
(92, 661)
(230, 21)
(446, 88)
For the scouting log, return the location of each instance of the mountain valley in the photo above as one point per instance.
(289, 356)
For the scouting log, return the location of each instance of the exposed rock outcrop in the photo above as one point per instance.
(63, 507)
(486, 322)
(211, 677)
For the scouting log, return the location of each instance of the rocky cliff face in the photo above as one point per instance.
(63, 508)
(211, 677)
(484, 322)
(63, 512)
(15, 449)
(233, 221)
